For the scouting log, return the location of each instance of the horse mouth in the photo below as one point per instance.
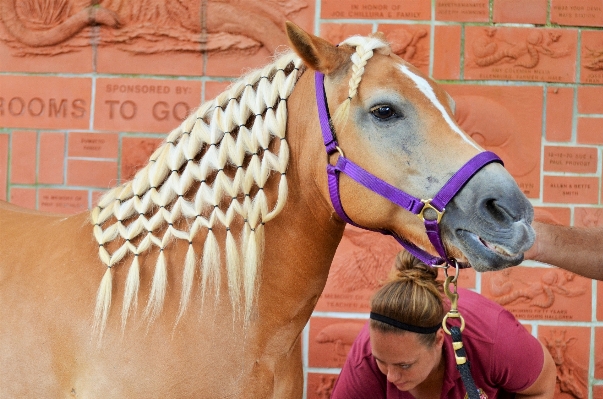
(500, 250)
(485, 255)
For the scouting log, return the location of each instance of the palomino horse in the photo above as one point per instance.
(227, 235)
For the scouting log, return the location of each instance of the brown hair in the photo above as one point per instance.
(411, 295)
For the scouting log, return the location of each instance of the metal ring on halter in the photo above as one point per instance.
(427, 205)
(456, 266)
(339, 150)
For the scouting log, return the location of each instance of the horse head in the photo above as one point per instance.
(397, 124)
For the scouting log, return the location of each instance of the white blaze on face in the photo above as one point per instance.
(427, 90)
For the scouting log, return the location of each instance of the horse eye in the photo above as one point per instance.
(383, 112)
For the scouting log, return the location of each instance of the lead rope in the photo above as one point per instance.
(462, 363)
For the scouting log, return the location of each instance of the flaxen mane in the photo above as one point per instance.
(209, 172)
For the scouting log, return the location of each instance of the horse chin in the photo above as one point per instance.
(485, 255)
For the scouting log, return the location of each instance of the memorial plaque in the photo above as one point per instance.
(520, 11)
(362, 261)
(540, 293)
(559, 113)
(51, 161)
(531, 54)
(508, 121)
(599, 353)
(23, 157)
(135, 153)
(409, 42)
(62, 201)
(577, 13)
(590, 131)
(93, 145)
(25, 197)
(90, 173)
(571, 159)
(569, 347)
(3, 165)
(589, 100)
(588, 217)
(336, 33)
(571, 190)
(144, 105)
(591, 59)
(552, 215)
(45, 102)
(320, 385)
(463, 10)
(376, 9)
(331, 339)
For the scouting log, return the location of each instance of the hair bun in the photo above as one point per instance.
(410, 267)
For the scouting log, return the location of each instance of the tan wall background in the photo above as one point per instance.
(87, 92)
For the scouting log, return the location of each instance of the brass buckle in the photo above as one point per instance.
(427, 205)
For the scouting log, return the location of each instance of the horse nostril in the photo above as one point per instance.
(497, 212)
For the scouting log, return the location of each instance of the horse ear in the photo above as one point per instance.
(316, 53)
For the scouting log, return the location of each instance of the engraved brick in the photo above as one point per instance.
(93, 145)
(357, 270)
(559, 113)
(591, 59)
(589, 100)
(320, 385)
(569, 347)
(23, 157)
(540, 293)
(567, 190)
(336, 33)
(212, 89)
(46, 102)
(525, 54)
(91, 173)
(330, 340)
(520, 11)
(588, 217)
(145, 105)
(463, 10)
(552, 215)
(185, 63)
(570, 159)
(590, 131)
(51, 160)
(25, 197)
(62, 201)
(507, 121)
(135, 153)
(447, 52)
(582, 13)
(409, 42)
(3, 165)
(374, 9)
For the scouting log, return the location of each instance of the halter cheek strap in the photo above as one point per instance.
(386, 190)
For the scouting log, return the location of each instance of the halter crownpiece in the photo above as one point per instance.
(413, 204)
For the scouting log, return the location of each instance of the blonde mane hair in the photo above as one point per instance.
(209, 173)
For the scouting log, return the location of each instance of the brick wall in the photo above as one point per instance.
(80, 113)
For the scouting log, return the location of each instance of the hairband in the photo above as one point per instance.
(404, 326)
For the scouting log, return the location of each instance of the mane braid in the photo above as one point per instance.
(208, 174)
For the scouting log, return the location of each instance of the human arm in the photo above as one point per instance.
(578, 250)
(544, 386)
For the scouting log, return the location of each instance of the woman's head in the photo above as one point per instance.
(404, 328)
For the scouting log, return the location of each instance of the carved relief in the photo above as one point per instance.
(542, 293)
(588, 217)
(593, 58)
(490, 50)
(325, 387)
(570, 374)
(341, 335)
(405, 44)
(48, 27)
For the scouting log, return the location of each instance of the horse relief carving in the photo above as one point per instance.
(570, 374)
(490, 49)
(50, 27)
(589, 217)
(341, 335)
(593, 58)
(324, 389)
(507, 291)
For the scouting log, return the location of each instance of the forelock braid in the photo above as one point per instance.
(365, 47)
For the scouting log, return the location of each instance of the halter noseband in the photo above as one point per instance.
(386, 190)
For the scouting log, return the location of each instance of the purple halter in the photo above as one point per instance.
(386, 190)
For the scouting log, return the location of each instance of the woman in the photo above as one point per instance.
(403, 353)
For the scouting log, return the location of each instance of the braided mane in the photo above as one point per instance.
(208, 174)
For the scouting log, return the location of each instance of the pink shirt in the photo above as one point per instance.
(504, 357)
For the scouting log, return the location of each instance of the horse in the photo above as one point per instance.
(228, 233)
